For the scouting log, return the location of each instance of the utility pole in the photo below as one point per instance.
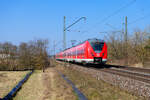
(126, 40)
(54, 47)
(122, 39)
(64, 33)
(65, 28)
(126, 30)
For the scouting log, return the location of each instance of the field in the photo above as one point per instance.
(8, 80)
(51, 86)
(46, 86)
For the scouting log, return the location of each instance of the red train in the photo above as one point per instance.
(90, 51)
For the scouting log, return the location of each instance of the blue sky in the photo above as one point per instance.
(24, 20)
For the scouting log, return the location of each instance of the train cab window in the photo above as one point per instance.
(97, 46)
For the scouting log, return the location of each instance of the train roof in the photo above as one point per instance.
(95, 40)
(90, 40)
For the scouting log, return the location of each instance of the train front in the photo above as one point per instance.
(98, 51)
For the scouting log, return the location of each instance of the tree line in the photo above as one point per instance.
(135, 50)
(30, 55)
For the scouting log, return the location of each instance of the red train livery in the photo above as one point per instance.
(90, 51)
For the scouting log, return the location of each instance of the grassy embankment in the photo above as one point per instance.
(95, 89)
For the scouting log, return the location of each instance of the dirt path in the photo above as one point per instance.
(53, 95)
(48, 82)
(55, 87)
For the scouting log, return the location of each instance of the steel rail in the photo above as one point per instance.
(131, 75)
(144, 70)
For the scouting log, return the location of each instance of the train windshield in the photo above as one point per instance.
(97, 46)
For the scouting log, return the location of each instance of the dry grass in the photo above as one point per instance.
(56, 87)
(96, 89)
(32, 89)
(8, 80)
(46, 86)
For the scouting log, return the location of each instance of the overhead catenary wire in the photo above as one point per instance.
(113, 14)
(139, 19)
(117, 11)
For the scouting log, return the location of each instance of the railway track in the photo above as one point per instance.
(140, 76)
(129, 68)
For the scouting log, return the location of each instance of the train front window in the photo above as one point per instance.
(97, 46)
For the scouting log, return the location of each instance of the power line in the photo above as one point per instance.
(111, 26)
(139, 19)
(114, 13)
(119, 10)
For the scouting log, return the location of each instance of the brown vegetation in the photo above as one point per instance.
(8, 80)
(31, 55)
(135, 51)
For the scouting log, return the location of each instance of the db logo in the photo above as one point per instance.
(98, 54)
